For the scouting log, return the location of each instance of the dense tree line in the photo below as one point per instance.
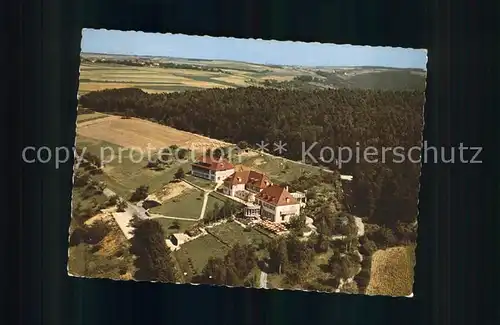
(383, 191)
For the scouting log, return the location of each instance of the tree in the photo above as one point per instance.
(176, 224)
(242, 259)
(300, 253)
(121, 206)
(350, 287)
(179, 174)
(297, 223)
(232, 269)
(384, 237)
(321, 245)
(243, 145)
(154, 261)
(80, 179)
(140, 193)
(278, 255)
(343, 266)
(368, 247)
(113, 200)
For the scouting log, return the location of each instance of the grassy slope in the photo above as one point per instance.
(125, 176)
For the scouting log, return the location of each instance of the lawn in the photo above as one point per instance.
(194, 255)
(186, 205)
(213, 200)
(122, 174)
(167, 225)
(231, 234)
(392, 272)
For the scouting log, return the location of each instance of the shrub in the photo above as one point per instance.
(368, 247)
(97, 231)
(77, 237)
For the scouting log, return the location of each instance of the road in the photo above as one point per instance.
(263, 280)
(123, 218)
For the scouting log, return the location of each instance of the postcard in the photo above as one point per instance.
(247, 163)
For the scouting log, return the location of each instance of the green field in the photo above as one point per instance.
(186, 205)
(122, 174)
(199, 251)
(167, 225)
(213, 200)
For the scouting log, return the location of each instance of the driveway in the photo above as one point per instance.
(123, 218)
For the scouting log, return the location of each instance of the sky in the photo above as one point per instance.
(248, 50)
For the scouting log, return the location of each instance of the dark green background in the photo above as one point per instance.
(453, 271)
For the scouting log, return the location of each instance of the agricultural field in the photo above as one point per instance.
(186, 205)
(392, 272)
(89, 117)
(154, 79)
(137, 133)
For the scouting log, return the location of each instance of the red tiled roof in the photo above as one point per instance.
(276, 195)
(213, 164)
(250, 177)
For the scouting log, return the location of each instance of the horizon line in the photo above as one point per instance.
(257, 63)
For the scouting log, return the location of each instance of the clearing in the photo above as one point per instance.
(137, 133)
(392, 272)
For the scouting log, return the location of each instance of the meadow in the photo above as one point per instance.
(186, 205)
(123, 174)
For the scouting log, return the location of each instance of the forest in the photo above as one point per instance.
(384, 192)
